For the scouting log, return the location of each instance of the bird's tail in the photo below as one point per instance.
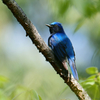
(73, 68)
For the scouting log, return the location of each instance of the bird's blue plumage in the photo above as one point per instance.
(62, 46)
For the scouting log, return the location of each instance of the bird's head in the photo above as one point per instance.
(55, 27)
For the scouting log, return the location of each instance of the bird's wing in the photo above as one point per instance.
(62, 47)
(58, 47)
(68, 48)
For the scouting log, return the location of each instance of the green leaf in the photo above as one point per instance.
(88, 83)
(98, 79)
(3, 79)
(92, 70)
(40, 98)
(64, 90)
(92, 77)
(80, 23)
(35, 95)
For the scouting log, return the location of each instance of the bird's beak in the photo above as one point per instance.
(48, 25)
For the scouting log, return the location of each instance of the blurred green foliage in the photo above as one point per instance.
(21, 79)
(92, 83)
(28, 83)
(10, 90)
(19, 92)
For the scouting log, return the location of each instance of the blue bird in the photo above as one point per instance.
(62, 47)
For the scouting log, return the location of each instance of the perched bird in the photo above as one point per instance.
(62, 47)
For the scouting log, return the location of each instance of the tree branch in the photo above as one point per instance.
(45, 50)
